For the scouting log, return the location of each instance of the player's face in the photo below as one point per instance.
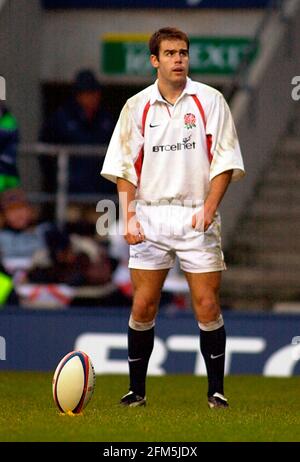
(173, 62)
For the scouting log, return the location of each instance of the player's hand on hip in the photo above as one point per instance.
(134, 233)
(198, 221)
(202, 220)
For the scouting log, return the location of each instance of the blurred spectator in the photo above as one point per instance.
(9, 137)
(80, 121)
(41, 254)
(75, 261)
(22, 239)
(22, 242)
(81, 263)
(81, 220)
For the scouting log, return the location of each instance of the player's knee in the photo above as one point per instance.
(143, 316)
(144, 308)
(207, 309)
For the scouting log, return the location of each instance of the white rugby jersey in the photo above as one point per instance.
(172, 152)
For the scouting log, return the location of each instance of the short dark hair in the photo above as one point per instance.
(166, 33)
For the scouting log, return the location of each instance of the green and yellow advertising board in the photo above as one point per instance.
(128, 54)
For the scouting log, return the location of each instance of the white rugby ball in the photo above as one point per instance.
(73, 382)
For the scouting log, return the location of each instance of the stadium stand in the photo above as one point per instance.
(264, 253)
(262, 108)
(261, 252)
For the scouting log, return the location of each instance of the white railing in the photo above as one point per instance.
(61, 197)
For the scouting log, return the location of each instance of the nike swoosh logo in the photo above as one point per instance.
(217, 356)
(133, 360)
(153, 126)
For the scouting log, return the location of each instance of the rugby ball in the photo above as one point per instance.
(73, 382)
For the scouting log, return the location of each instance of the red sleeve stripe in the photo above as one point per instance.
(208, 136)
(145, 112)
(139, 161)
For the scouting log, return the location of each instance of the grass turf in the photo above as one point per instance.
(261, 409)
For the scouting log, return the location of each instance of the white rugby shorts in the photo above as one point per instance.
(169, 233)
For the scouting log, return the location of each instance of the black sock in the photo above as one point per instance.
(140, 346)
(212, 344)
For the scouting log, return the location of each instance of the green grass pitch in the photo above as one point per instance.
(261, 409)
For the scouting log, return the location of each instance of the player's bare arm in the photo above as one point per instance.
(218, 187)
(133, 232)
